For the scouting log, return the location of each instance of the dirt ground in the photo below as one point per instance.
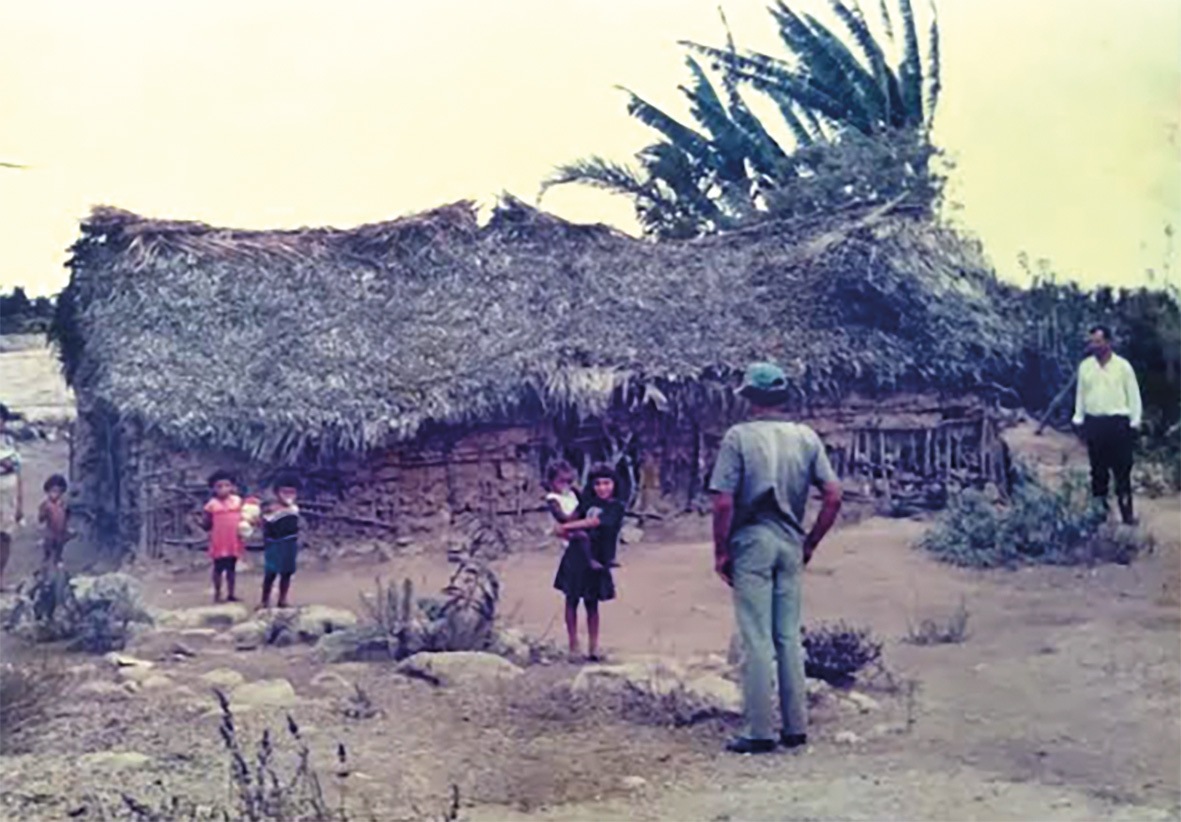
(1063, 703)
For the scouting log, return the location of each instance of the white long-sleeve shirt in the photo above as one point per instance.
(1107, 390)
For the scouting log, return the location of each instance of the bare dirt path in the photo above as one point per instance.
(1063, 703)
(1068, 680)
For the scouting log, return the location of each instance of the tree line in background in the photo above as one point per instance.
(21, 315)
(1053, 319)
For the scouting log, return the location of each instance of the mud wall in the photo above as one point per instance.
(438, 489)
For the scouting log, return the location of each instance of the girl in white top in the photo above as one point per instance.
(562, 499)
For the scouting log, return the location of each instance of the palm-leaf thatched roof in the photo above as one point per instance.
(275, 341)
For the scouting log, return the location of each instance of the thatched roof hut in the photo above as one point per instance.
(316, 343)
(274, 341)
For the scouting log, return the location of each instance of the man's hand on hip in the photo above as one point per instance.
(724, 567)
(809, 549)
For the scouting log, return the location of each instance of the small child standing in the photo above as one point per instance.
(53, 517)
(562, 499)
(280, 532)
(222, 514)
(585, 570)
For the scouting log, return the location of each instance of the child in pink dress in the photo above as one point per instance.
(222, 515)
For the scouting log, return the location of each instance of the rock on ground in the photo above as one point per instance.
(114, 760)
(315, 621)
(661, 688)
(121, 661)
(223, 678)
(114, 587)
(156, 682)
(250, 635)
(364, 643)
(458, 667)
(167, 644)
(265, 693)
(224, 615)
(512, 645)
(332, 682)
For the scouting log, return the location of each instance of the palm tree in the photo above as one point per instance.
(843, 106)
(847, 85)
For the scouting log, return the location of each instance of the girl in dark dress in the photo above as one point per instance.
(280, 532)
(585, 571)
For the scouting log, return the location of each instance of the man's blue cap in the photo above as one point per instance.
(764, 384)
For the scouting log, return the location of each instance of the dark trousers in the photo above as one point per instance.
(1110, 442)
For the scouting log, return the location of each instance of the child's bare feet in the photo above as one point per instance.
(283, 604)
(232, 599)
(263, 606)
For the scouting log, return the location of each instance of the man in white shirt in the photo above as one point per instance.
(1107, 407)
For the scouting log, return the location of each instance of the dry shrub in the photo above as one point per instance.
(952, 630)
(836, 653)
(97, 613)
(397, 625)
(1040, 525)
(265, 789)
(28, 693)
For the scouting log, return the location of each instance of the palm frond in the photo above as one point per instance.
(816, 60)
(766, 155)
(934, 70)
(910, 71)
(677, 170)
(887, 23)
(861, 82)
(597, 172)
(859, 30)
(680, 135)
(787, 108)
(729, 143)
(770, 74)
(819, 132)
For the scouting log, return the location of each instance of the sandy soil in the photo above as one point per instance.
(1063, 702)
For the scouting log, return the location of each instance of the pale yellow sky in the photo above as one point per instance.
(1062, 114)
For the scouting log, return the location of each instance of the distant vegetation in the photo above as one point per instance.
(21, 315)
(1053, 318)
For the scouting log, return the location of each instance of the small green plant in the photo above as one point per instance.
(461, 619)
(98, 614)
(1039, 525)
(949, 631)
(392, 612)
(836, 653)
